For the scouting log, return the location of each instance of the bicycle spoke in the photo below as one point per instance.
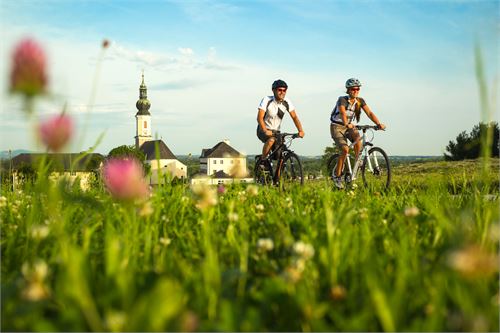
(291, 171)
(376, 170)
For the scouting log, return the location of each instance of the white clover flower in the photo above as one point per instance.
(165, 241)
(206, 195)
(146, 209)
(412, 211)
(259, 207)
(303, 250)
(233, 217)
(34, 276)
(363, 213)
(40, 231)
(252, 190)
(265, 244)
(115, 321)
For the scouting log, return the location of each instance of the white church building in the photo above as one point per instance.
(163, 162)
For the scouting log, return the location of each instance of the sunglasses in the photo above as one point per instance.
(355, 89)
(281, 89)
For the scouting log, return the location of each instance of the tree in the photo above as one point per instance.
(468, 146)
(130, 152)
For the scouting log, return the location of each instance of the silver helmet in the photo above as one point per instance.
(352, 82)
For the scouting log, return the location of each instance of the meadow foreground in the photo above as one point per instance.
(422, 257)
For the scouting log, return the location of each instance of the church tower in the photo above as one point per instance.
(143, 117)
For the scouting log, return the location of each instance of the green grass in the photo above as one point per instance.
(422, 257)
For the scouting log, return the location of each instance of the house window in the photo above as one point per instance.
(145, 124)
(221, 161)
(215, 161)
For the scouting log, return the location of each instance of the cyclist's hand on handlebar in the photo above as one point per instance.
(301, 134)
(381, 127)
(350, 125)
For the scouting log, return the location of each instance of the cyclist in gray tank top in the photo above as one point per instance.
(343, 118)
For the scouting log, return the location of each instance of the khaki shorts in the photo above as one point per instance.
(341, 133)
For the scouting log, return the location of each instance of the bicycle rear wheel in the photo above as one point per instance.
(291, 170)
(263, 172)
(376, 170)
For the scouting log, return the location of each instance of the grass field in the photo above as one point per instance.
(422, 257)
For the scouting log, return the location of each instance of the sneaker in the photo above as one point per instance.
(263, 164)
(338, 182)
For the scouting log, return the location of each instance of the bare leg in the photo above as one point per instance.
(340, 165)
(267, 147)
(357, 149)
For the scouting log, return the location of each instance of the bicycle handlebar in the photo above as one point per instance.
(278, 134)
(365, 127)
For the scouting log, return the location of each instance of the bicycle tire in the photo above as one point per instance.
(332, 166)
(291, 170)
(263, 173)
(376, 170)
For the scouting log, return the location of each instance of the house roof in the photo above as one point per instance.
(220, 174)
(148, 148)
(60, 162)
(221, 149)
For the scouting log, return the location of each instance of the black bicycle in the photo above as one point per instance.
(288, 168)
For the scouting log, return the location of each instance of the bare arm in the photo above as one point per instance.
(297, 123)
(260, 120)
(343, 115)
(372, 116)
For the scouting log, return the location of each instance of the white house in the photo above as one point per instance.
(165, 162)
(222, 164)
(68, 166)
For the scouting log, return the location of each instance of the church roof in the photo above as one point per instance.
(149, 149)
(60, 162)
(220, 150)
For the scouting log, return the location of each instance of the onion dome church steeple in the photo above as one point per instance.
(143, 117)
(143, 103)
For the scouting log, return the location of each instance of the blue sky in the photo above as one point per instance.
(208, 64)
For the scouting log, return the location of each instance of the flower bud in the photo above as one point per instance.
(56, 132)
(124, 179)
(28, 75)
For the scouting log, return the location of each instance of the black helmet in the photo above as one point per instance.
(279, 84)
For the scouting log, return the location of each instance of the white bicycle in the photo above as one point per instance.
(372, 161)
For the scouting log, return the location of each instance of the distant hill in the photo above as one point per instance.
(4, 155)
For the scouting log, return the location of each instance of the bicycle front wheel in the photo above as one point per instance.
(333, 164)
(291, 170)
(376, 170)
(263, 172)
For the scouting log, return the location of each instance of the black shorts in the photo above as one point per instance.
(261, 135)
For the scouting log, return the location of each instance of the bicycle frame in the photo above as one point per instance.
(353, 172)
(281, 148)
